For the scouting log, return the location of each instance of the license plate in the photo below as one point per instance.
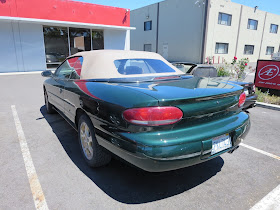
(220, 143)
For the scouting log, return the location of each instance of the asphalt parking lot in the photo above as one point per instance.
(232, 181)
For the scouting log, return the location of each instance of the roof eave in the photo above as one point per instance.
(65, 23)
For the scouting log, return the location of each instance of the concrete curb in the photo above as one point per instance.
(268, 106)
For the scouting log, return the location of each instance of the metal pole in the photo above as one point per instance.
(157, 27)
(68, 41)
(262, 35)
(90, 39)
(238, 32)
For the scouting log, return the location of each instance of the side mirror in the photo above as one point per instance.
(47, 73)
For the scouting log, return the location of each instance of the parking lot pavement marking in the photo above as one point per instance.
(270, 202)
(260, 151)
(21, 72)
(35, 186)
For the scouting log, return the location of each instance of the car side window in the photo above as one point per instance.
(65, 70)
(70, 69)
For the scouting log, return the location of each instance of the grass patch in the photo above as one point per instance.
(265, 97)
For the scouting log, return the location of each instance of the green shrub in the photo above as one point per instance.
(265, 97)
(222, 71)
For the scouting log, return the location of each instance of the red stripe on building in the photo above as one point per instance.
(64, 10)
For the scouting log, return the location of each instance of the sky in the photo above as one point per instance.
(272, 6)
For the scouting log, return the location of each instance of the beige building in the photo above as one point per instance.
(191, 31)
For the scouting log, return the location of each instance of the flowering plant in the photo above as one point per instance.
(239, 66)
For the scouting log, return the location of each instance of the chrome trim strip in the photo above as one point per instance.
(207, 151)
(219, 96)
(178, 157)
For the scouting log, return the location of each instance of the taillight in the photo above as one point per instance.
(242, 99)
(153, 116)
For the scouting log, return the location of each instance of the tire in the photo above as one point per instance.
(49, 106)
(93, 153)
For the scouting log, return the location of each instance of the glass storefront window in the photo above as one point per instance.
(79, 40)
(97, 40)
(56, 45)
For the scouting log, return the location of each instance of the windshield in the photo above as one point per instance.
(205, 72)
(142, 66)
(183, 67)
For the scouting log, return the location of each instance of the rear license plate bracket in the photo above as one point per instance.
(221, 143)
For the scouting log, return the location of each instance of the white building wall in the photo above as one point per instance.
(8, 56)
(270, 39)
(127, 40)
(32, 46)
(17, 43)
(248, 36)
(116, 39)
(237, 36)
(181, 26)
(222, 33)
(139, 37)
(180, 34)
(22, 47)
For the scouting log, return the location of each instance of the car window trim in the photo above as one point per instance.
(58, 67)
(66, 79)
(78, 56)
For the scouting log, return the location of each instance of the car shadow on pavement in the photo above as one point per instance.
(128, 184)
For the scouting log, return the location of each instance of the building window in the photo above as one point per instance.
(249, 49)
(79, 40)
(97, 40)
(269, 50)
(273, 28)
(56, 45)
(252, 24)
(148, 25)
(148, 47)
(57, 42)
(221, 48)
(224, 19)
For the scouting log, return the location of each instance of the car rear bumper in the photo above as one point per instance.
(191, 148)
(250, 101)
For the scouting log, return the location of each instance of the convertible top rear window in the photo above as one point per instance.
(142, 66)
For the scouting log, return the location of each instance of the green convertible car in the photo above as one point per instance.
(141, 108)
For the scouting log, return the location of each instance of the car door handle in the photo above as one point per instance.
(60, 90)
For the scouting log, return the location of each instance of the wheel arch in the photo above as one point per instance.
(79, 113)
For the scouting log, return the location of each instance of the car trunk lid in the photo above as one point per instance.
(195, 96)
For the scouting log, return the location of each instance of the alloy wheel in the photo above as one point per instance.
(86, 140)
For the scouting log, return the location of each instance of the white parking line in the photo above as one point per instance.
(22, 72)
(270, 202)
(35, 186)
(260, 151)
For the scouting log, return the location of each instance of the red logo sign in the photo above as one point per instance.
(268, 74)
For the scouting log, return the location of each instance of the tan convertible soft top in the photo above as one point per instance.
(99, 64)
